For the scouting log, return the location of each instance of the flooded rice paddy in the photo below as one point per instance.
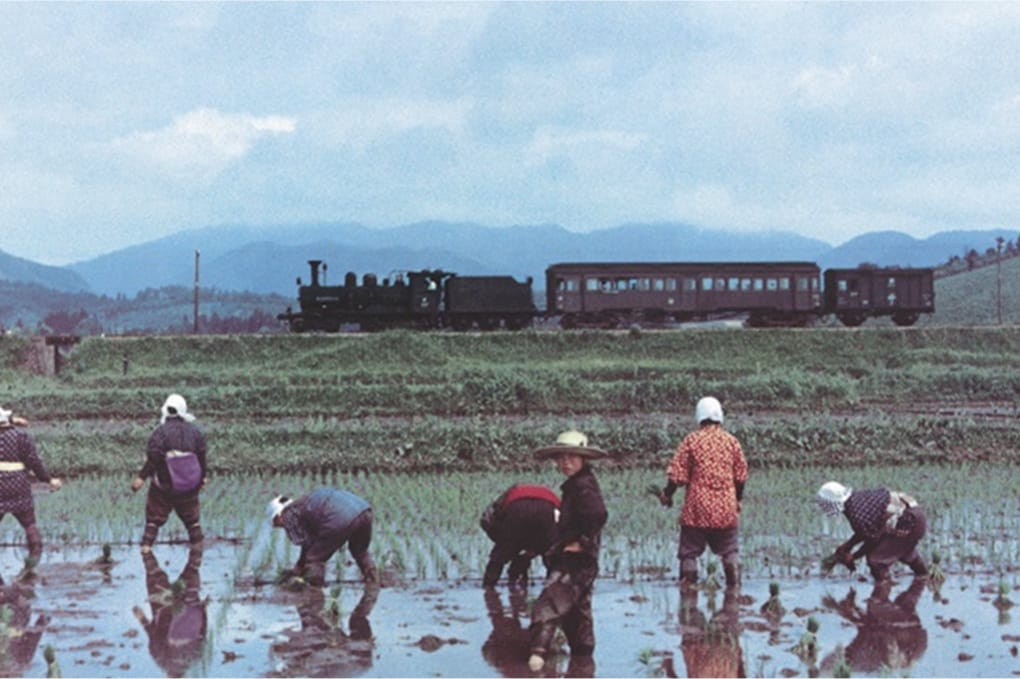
(189, 613)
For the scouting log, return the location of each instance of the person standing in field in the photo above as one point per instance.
(565, 600)
(18, 457)
(887, 525)
(175, 459)
(710, 463)
(521, 523)
(321, 523)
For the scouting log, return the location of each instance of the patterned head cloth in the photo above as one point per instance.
(832, 496)
(176, 406)
(708, 409)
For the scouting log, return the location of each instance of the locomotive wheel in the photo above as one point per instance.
(905, 318)
(851, 319)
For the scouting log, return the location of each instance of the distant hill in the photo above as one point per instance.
(268, 259)
(17, 270)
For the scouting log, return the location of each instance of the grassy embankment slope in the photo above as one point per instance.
(418, 402)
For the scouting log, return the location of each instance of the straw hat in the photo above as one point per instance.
(572, 442)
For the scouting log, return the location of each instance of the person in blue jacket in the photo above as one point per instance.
(321, 523)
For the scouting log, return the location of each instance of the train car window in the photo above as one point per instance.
(784, 283)
(759, 284)
(734, 284)
(771, 284)
(745, 284)
(658, 284)
(706, 283)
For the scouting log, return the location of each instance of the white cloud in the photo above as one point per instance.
(202, 142)
(362, 122)
(550, 142)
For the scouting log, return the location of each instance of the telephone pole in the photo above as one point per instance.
(196, 293)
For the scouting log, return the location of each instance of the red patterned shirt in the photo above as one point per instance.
(710, 462)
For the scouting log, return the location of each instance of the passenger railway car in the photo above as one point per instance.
(611, 295)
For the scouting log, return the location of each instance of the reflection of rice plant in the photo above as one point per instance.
(773, 607)
(807, 648)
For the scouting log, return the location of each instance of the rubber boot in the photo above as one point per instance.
(688, 571)
(731, 567)
(34, 539)
(917, 565)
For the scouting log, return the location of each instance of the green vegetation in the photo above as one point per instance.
(411, 402)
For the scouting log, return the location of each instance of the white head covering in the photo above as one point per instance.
(5, 417)
(710, 409)
(176, 405)
(277, 505)
(832, 496)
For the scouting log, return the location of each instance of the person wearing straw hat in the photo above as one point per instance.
(887, 524)
(565, 600)
(710, 463)
(175, 460)
(18, 457)
(321, 523)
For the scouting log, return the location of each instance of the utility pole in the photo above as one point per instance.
(998, 277)
(196, 292)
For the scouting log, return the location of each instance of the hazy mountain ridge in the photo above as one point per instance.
(268, 259)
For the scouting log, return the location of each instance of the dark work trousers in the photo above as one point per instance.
(32, 534)
(158, 505)
(892, 548)
(357, 535)
(565, 602)
(525, 526)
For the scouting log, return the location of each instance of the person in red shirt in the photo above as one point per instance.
(710, 463)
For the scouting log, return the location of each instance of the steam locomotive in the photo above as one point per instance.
(614, 295)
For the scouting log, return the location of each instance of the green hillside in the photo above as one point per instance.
(970, 298)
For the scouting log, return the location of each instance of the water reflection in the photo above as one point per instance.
(320, 647)
(18, 637)
(177, 628)
(710, 641)
(890, 635)
(508, 646)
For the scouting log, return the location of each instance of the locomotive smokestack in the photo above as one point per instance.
(314, 265)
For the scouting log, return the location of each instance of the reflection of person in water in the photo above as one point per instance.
(889, 633)
(18, 638)
(506, 649)
(320, 648)
(711, 644)
(178, 624)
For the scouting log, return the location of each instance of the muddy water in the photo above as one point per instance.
(173, 615)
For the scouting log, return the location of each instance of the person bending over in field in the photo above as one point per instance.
(18, 456)
(565, 600)
(710, 462)
(175, 460)
(522, 525)
(887, 525)
(321, 523)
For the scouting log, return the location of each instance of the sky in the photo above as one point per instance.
(124, 122)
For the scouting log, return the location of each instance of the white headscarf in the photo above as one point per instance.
(176, 405)
(710, 409)
(832, 496)
(5, 417)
